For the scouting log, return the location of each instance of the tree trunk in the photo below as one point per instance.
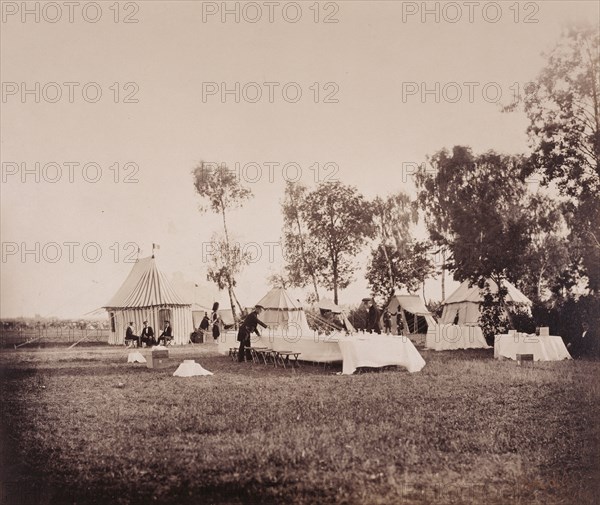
(502, 302)
(306, 265)
(229, 267)
(335, 280)
(389, 265)
(443, 274)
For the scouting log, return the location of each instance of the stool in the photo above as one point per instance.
(283, 357)
(233, 352)
(254, 353)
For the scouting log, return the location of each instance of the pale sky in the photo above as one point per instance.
(168, 59)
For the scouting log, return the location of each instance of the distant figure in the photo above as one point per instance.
(204, 325)
(167, 334)
(131, 339)
(387, 321)
(215, 321)
(399, 322)
(455, 322)
(147, 335)
(585, 345)
(249, 326)
(373, 318)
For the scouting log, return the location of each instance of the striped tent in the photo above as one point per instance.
(146, 294)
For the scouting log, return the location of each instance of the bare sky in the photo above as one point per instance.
(369, 106)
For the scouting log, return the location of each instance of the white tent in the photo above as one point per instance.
(462, 306)
(415, 316)
(146, 294)
(282, 314)
(327, 305)
(287, 330)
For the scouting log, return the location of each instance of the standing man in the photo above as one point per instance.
(585, 345)
(387, 322)
(167, 334)
(249, 326)
(131, 339)
(373, 318)
(147, 336)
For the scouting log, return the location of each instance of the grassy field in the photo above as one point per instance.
(83, 426)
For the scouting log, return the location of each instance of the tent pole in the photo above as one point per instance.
(80, 340)
(29, 341)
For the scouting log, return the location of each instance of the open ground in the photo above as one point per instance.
(84, 426)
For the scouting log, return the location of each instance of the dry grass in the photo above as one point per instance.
(467, 429)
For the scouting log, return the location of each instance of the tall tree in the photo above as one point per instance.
(393, 269)
(487, 221)
(563, 107)
(392, 217)
(436, 184)
(225, 262)
(339, 221)
(224, 192)
(300, 251)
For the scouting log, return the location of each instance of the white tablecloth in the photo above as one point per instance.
(378, 351)
(550, 348)
(444, 337)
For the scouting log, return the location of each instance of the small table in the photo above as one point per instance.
(547, 348)
(283, 357)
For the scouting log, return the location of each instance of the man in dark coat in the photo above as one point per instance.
(131, 338)
(167, 334)
(249, 326)
(205, 323)
(147, 336)
(585, 345)
(373, 318)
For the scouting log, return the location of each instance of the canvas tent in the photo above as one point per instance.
(146, 294)
(288, 330)
(326, 306)
(415, 316)
(462, 306)
(198, 312)
(283, 314)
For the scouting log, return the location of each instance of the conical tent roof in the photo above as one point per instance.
(278, 299)
(283, 313)
(145, 286)
(327, 304)
(466, 293)
(411, 303)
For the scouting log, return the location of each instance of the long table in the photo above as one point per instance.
(377, 351)
(317, 348)
(547, 348)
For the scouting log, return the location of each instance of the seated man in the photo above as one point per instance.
(167, 334)
(147, 336)
(131, 339)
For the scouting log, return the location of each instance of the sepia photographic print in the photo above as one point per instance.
(300, 252)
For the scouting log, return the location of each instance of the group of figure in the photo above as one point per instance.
(146, 337)
(374, 316)
(214, 323)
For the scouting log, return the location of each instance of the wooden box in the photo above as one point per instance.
(522, 359)
(158, 362)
